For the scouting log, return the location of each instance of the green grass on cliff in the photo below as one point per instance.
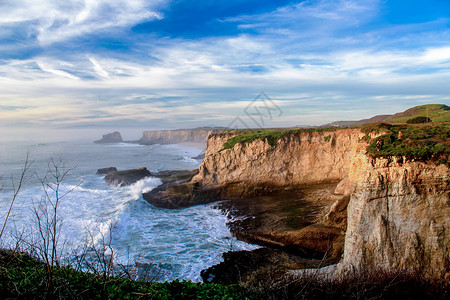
(429, 141)
(270, 135)
(436, 112)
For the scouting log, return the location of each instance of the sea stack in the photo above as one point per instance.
(109, 138)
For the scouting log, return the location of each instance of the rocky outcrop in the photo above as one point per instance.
(394, 213)
(105, 171)
(398, 217)
(252, 266)
(297, 158)
(176, 191)
(114, 137)
(175, 136)
(127, 177)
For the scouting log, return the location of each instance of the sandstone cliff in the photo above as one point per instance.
(174, 136)
(298, 158)
(398, 212)
(399, 216)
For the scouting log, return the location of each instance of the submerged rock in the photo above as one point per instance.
(114, 137)
(127, 177)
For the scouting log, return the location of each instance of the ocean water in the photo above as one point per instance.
(179, 243)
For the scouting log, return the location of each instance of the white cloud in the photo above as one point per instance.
(98, 68)
(47, 68)
(60, 20)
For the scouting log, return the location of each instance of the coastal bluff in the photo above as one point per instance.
(196, 135)
(395, 210)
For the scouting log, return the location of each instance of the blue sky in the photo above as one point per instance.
(174, 64)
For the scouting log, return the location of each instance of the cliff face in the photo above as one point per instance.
(300, 158)
(398, 217)
(174, 136)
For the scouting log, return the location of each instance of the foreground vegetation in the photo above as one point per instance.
(24, 277)
(429, 141)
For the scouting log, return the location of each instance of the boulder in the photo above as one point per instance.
(127, 177)
(105, 171)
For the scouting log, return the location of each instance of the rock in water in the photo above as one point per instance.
(128, 177)
(105, 171)
(114, 137)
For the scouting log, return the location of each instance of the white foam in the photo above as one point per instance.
(181, 242)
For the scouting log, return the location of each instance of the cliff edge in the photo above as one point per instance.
(175, 136)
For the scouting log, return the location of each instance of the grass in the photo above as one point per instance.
(423, 142)
(270, 135)
(436, 112)
(22, 276)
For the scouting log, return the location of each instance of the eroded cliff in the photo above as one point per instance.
(398, 212)
(297, 158)
(175, 136)
(399, 216)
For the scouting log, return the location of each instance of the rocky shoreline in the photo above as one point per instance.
(292, 225)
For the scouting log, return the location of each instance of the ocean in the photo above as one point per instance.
(179, 243)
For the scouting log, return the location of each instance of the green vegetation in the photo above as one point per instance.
(436, 112)
(327, 138)
(270, 135)
(416, 141)
(22, 276)
(418, 120)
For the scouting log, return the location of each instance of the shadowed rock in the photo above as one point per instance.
(128, 177)
(247, 266)
(105, 171)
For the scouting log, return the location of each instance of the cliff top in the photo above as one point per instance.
(428, 141)
(271, 135)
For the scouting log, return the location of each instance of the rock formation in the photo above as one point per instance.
(114, 137)
(399, 217)
(127, 177)
(298, 158)
(398, 210)
(175, 136)
(105, 171)
(391, 213)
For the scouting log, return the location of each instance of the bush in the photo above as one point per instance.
(22, 276)
(415, 141)
(419, 120)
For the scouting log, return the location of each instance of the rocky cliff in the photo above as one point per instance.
(175, 136)
(398, 212)
(297, 158)
(399, 216)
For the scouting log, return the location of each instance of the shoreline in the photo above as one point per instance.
(294, 236)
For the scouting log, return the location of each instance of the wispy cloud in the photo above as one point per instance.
(55, 21)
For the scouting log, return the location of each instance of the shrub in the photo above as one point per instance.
(419, 120)
(415, 141)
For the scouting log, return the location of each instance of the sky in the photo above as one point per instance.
(165, 64)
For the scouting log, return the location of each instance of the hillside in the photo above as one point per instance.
(436, 112)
